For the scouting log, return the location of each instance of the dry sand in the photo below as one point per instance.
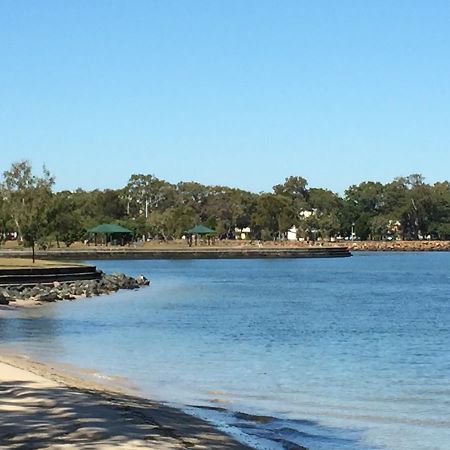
(43, 408)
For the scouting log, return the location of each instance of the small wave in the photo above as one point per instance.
(268, 432)
(253, 417)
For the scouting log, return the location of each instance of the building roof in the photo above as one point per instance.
(108, 228)
(200, 229)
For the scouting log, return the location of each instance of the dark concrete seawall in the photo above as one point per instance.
(188, 253)
(47, 275)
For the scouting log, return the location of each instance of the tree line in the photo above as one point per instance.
(405, 208)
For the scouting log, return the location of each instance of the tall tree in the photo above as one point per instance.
(194, 195)
(64, 219)
(144, 193)
(28, 197)
(362, 203)
(294, 187)
(273, 216)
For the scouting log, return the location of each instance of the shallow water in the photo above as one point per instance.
(348, 354)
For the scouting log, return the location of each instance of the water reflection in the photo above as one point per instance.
(29, 328)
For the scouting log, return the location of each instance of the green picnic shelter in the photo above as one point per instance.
(112, 232)
(199, 230)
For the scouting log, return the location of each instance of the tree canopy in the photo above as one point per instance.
(405, 208)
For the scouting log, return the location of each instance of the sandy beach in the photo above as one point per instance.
(42, 407)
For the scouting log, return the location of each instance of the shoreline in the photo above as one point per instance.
(19, 286)
(228, 250)
(186, 253)
(44, 407)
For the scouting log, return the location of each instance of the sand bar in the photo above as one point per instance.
(42, 408)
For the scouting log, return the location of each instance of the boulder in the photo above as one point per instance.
(142, 281)
(50, 296)
(70, 290)
(79, 290)
(12, 294)
(66, 295)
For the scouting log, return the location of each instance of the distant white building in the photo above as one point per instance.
(242, 233)
(306, 213)
(292, 233)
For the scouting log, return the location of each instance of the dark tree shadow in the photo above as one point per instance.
(36, 417)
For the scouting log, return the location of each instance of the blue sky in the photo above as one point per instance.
(241, 93)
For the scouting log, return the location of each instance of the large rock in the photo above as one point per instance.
(142, 281)
(70, 290)
(11, 294)
(50, 296)
(3, 300)
(120, 281)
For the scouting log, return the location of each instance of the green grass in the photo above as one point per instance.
(16, 263)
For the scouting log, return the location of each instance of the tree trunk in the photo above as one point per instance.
(32, 250)
(19, 231)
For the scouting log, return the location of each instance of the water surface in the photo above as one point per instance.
(335, 353)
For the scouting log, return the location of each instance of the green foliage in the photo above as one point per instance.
(27, 199)
(146, 193)
(405, 208)
(64, 219)
(179, 219)
(273, 216)
(293, 187)
(6, 224)
(362, 226)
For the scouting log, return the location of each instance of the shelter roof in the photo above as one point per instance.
(108, 228)
(200, 229)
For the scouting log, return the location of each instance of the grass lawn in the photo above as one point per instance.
(14, 263)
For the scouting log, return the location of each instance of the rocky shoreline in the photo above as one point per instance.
(399, 246)
(37, 294)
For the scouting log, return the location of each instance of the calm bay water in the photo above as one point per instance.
(348, 354)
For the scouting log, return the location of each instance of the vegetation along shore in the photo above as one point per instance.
(152, 209)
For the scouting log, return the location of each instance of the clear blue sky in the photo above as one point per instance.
(241, 93)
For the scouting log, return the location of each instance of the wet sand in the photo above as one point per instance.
(42, 407)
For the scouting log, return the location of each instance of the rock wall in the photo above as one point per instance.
(405, 246)
(70, 290)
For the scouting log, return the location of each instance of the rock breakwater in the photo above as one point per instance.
(71, 290)
(400, 246)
